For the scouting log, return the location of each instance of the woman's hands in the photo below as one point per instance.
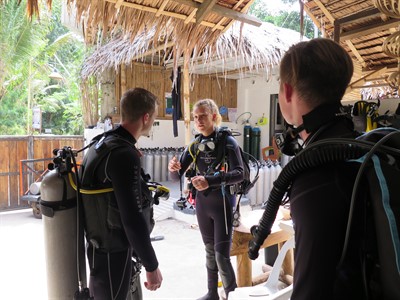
(200, 183)
(174, 165)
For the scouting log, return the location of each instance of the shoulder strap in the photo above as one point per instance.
(221, 138)
(97, 152)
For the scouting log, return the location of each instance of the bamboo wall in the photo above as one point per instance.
(157, 80)
(17, 148)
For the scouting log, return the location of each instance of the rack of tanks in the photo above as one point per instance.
(155, 163)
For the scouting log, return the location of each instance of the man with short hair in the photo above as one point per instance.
(118, 218)
(313, 78)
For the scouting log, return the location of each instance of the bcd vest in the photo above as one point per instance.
(102, 220)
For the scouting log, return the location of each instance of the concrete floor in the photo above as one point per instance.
(181, 256)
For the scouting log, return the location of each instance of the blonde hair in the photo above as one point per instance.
(211, 106)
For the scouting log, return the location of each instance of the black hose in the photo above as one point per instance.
(315, 155)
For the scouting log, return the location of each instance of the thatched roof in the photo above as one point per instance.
(189, 25)
(242, 48)
(362, 27)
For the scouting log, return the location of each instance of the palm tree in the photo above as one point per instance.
(30, 51)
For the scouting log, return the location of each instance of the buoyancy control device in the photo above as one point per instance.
(379, 155)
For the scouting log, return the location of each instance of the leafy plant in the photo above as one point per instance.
(285, 17)
(31, 51)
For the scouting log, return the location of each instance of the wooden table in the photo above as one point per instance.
(240, 246)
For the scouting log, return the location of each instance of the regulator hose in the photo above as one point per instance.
(317, 154)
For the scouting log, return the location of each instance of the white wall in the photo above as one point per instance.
(254, 96)
(162, 135)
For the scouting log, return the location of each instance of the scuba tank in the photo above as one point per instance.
(246, 139)
(143, 158)
(260, 186)
(252, 194)
(164, 165)
(150, 163)
(267, 178)
(255, 141)
(63, 234)
(157, 166)
(171, 154)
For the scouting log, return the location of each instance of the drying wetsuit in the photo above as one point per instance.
(319, 202)
(121, 225)
(214, 206)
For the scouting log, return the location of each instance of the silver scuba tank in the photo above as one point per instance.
(59, 211)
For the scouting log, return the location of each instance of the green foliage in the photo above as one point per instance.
(284, 18)
(31, 50)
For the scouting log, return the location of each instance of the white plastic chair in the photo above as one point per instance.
(271, 289)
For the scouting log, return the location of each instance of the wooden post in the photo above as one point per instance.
(123, 79)
(244, 277)
(186, 96)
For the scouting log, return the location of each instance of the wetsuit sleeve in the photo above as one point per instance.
(234, 173)
(123, 168)
(185, 160)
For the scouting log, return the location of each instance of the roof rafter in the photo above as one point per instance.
(360, 16)
(204, 9)
(166, 13)
(161, 8)
(356, 53)
(224, 18)
(373, 28)
(354, 85)
(325, 11)
(247, 6)
(225, 12)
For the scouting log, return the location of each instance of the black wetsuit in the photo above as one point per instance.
(122, 168)
(214, 206)
(319, 202)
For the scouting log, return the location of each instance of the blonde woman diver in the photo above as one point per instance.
(214, 200)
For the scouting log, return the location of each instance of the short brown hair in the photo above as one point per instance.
(137, 102)
(319, 70)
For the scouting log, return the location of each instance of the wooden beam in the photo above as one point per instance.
(204, 9)
(186, 96)
(166, 13)
(325, 11)
(225, 12)
(389, 68)
(365, 79)
(118, 4)
(373, 28)
(369, 86)
(315, 20)
(336, 32)
(161, 8)
(233, 9)
(154, 50)
(191, 16)
(356, 54)
(360, 16)
(244, 10)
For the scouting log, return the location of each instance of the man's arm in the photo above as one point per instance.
(124, 170)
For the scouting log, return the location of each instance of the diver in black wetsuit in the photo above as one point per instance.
(116, 226)
(214, 201)
(313, 78)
